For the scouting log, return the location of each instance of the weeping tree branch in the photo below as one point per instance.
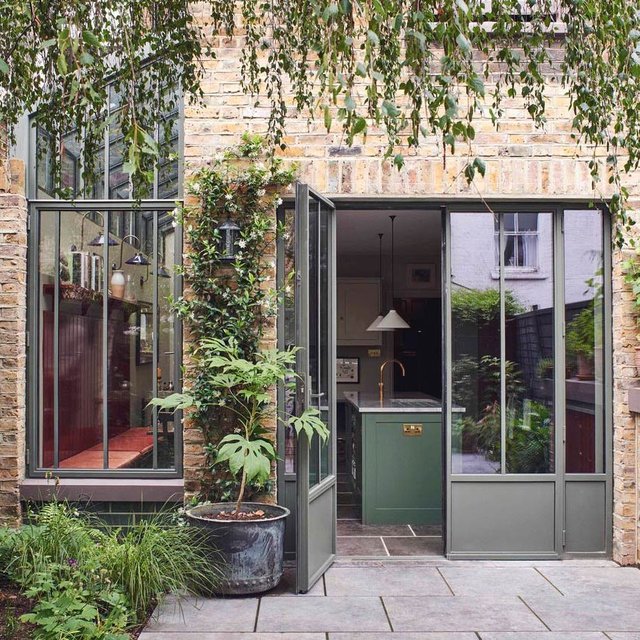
(417, 69)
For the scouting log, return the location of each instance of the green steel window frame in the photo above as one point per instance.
(50, 207)
(557, 208)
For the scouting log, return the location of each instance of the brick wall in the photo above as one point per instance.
(13, 360)
(522, 162)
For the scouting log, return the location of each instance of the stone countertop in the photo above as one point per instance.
(397, 403)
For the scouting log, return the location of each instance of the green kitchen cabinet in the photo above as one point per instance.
(395, 461)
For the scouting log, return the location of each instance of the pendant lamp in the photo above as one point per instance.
(374, 325)
(393, 320)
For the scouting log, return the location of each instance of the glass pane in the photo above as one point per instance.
(583, 245)
(130, 330)
(289, 311)
(314, 331)
(527, 222)
(325, 346)
(167, 422)
(529, 363)
(475, 339)
(79, 384)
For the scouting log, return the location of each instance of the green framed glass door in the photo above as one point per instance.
(316, 336)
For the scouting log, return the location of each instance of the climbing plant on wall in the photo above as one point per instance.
(229, 300)
(416, 68)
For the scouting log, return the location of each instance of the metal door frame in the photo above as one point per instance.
(306, 495)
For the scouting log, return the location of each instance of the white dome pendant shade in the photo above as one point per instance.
(374, 325)
(393, 320)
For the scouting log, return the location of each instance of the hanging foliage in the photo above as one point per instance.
(415, 68)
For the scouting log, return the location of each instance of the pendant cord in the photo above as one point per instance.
(380, 269)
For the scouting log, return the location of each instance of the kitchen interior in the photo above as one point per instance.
(389, 383)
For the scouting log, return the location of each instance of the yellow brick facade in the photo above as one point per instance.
(522, 163)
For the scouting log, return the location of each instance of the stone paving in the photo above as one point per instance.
(432, 599)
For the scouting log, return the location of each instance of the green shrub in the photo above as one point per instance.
(481, 306)
(93, 585)
(156, 557)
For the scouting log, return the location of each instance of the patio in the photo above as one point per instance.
(426, 599)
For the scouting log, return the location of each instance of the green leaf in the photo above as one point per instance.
(359, 126)
(463, 43)
(4, 67)
(90, 38)
(373, 38)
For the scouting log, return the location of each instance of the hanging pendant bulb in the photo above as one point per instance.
(393, 320)
(374, 325)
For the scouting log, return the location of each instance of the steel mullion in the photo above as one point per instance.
(105, 342)
(318, 241)
(503, 352)
(56, 343)
(177, 349)
(156, 340)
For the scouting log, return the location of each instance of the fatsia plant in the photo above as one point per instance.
(245, 387)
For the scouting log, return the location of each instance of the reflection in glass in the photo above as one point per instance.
(583, 244)
(289, 326)
(325, 392)
(76, 331)
(314, 333)
(502, 342)
(475, 339)
(529, 339)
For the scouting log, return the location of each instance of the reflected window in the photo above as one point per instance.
(520, 241)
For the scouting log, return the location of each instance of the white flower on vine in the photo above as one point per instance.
(278, 202)
(218, 157)
(242, 243)
(229, 196)
(260, 192)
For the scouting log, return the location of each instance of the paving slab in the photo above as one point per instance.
(461, 613)
(496, 581)
(322, 614)
(623, 635)
(543, 635)
(231, 636)
(593, 580)
(356, 528)
(616, 611)
(385, 581)
(404, 636)
(214, 614)
(413, 546)
(287, 587)
(360, 546)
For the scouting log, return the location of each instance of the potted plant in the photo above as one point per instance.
(249, 536)
(581, 342)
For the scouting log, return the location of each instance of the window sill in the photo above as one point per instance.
(517, 274)
(103, 489)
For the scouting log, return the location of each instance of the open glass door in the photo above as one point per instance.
(316, 337)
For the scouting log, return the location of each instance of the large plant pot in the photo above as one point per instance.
(251, 551)
(585, 367)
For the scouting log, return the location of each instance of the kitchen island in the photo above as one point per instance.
(394, 457)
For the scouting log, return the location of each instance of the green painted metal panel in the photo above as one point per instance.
(401, 480)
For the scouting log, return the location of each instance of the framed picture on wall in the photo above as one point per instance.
(421, 276)
(348, 370)
(144, 337)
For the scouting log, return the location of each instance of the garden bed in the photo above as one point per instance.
(12, 605)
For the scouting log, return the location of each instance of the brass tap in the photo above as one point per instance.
(381, 383)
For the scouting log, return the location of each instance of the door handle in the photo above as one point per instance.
(316, 395)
